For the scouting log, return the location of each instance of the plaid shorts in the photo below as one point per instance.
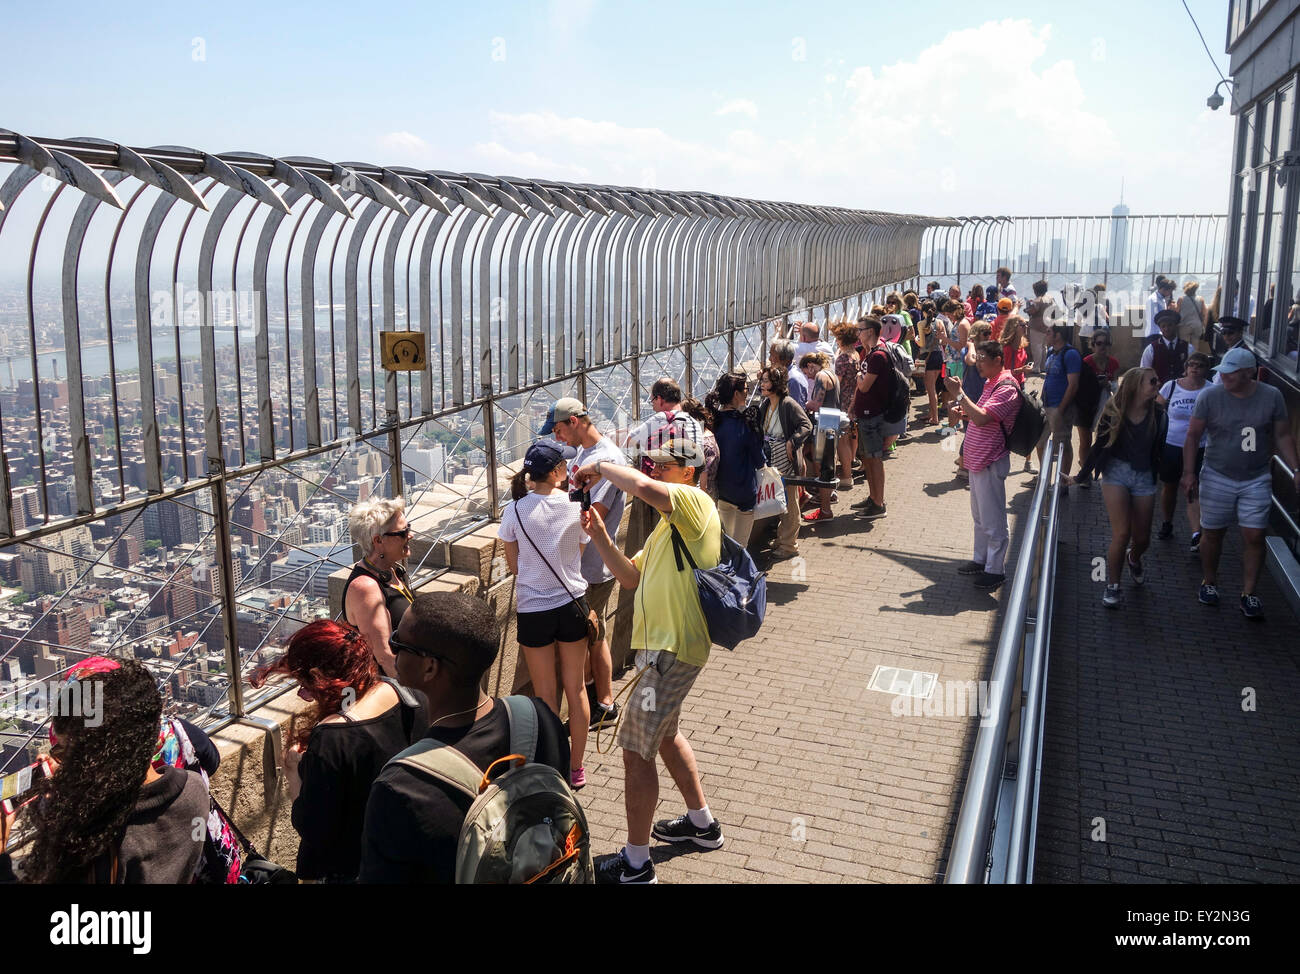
(655, 703)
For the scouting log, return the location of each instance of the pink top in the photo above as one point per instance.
(987, 444)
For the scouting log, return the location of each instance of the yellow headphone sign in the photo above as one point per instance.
(403, 351)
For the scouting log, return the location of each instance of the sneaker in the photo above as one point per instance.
(865, 502)
(1208, 595)
(1111, 599)
(1136, 570)
(987, 580)
(872, 510)
(617, 871)
(602, 715)
(577, 778)
(1252, 607)
(817, 514)
(1084, 483)
(1195, 547)
(1166, 531)
(971, 568)
(846, 484)
(905, 437)
(892, 452)
(681, 829)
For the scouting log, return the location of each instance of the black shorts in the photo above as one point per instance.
(1171, 464)
(934, 362)
(565, 624)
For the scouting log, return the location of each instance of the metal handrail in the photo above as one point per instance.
(969, 860)
(1278, 505)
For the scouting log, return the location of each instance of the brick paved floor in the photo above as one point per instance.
(1146, 729)
(812, 776)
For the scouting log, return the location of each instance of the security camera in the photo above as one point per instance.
(1214, 102)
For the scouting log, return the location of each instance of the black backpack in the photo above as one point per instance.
(1030, 422)
(900, 392)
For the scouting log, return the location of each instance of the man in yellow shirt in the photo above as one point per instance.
(671, 638)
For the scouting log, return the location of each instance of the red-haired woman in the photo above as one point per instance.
(360, 721)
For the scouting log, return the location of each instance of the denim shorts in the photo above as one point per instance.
(1139, 483)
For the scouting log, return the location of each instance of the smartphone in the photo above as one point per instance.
(20, 787)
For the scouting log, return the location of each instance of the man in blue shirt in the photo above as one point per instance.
(1060, 386)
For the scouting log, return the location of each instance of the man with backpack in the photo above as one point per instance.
(1061, 385)
(671, 637)
(1167, 355)
(988, 459)
(875, 383)
(444, 644)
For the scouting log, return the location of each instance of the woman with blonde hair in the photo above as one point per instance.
(1127, 453)
(1015, 356)
(377, 592)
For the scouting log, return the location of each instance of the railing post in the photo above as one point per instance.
(225, 559)
(490, 449)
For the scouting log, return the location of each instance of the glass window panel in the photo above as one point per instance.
(1285, 109)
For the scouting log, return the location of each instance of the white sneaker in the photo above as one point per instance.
(1111, 599)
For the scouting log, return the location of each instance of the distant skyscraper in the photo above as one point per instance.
(1118, 258)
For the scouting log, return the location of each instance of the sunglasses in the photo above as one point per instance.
(661, 465)
(403, 534)
(397, 646)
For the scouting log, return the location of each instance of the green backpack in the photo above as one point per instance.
(525, 825)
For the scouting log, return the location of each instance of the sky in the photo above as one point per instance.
(941, 108)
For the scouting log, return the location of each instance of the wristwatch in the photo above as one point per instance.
(598, 473)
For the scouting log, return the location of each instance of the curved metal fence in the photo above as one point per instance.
(191, 388)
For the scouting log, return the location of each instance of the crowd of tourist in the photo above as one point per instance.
(400, 677)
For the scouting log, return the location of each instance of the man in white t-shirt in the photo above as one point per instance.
(569, 421)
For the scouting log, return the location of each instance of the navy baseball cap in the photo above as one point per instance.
(542, 458)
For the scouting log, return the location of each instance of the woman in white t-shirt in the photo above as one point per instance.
(543, 536)
(1179, 398)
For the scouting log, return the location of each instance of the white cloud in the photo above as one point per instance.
(497, 159)
(405, 149)
(739, 106)
(943, 132)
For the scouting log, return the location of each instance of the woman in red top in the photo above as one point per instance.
(974, 300)
(1015, 356)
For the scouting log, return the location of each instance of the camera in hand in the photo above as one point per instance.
(580, 496)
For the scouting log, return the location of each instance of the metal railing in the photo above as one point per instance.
(993, 841)
(190, 377)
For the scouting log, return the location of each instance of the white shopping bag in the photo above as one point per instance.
(770, 500)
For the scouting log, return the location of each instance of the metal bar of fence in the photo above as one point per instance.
(967, 861)
(1019, 850)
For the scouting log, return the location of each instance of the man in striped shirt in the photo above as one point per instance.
(989, 462)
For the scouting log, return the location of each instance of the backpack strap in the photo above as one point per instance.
(442, 762)
(680, 548)
(522, 713)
